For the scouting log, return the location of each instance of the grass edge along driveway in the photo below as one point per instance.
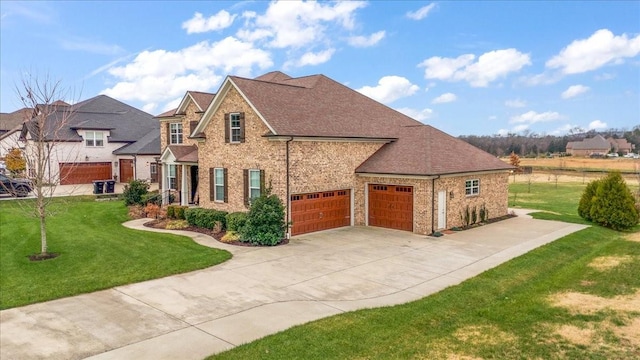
(96, 251)
(566, 300)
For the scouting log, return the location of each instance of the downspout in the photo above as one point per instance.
(287, 190)
(433, 200)
(135, 165)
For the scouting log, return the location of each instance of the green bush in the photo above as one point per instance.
(179, 212)
(236, 221)
(265, 222)
(134, 191)
(205, 218)
(610, 203)
(171, 212)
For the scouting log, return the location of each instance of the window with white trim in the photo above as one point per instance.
(472, 187)
(254, 184)
(175, 133)
(94, 138)
(234, 127)
(219, 184)
(171, 177)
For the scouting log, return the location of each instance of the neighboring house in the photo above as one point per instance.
(97, 139)
(10, 125)
(335, 158)
(179, 152)
(598, 145)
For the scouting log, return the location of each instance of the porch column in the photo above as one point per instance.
(164, 172)
(184, 198)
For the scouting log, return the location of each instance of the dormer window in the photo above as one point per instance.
(94, 138)
(175, 133)
(234, 127)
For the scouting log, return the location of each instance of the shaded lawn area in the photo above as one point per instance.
(509, 312)
(95, 251)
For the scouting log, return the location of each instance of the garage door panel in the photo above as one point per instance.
(84, 173)
(391, 206)
(320, 211)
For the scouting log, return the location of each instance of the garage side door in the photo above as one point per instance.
(391, 206)
(320, 211)
(84, 173)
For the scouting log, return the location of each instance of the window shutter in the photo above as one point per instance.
(245, 176)
(168, 127)
(262, 182)
(226, 186)
(226, 127)
(241, 127)
(212, 184)
(192, 126)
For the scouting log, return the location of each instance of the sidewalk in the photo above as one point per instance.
(75, 190)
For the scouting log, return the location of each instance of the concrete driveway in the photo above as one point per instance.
(262, 291)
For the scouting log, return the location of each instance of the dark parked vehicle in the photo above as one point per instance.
(15, 187)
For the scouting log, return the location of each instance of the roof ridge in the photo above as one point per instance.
(269, 82)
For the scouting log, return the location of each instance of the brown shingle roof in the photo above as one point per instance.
(319, 106)
(185, 153)
(595, 143)
(425, 150)
(202, 99)
(169, 113)
(9, 121)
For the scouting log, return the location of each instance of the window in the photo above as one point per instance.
(254, 184)
(472, 187)
(175, 133)
(152, 168)
(171, 177)
(94, 138)
(219, 184)
(234, 125)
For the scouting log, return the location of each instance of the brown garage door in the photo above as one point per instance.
(84, 173)
(320, 211)
(391, 206)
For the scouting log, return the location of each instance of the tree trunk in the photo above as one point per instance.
(43, 225)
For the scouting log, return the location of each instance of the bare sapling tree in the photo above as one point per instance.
(40, 132)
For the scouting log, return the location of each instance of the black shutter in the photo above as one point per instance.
(262, 182)
(226, 186)
(241, 127)
(226, 128)
(212, 184)
(245, 176)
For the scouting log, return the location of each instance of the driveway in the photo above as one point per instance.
(261, 291)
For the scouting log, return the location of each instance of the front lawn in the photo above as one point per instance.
(575, 298)
(95, 251)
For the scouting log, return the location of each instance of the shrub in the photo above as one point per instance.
(610, 203)
(171, 212)
(152, 210)
(134, 191)
(484, 214)
(177, 225)
(179, 212)
(205, 218)
(236, 221)
(474, 215)
(265, 222)
(230, 236)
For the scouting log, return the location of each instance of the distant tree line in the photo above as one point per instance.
(530, 144)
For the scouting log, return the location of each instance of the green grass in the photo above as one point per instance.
(503, 313)
(95, 251)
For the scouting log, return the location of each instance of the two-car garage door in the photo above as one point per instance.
(84, 172)
(320, 211)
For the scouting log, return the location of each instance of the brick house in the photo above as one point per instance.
(599, 145)
(335, 158)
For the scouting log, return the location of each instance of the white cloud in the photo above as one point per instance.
(389, 89)
(597, 125)
(311, 58)
(295, 24)
(540, 79)
(600, 49)
(503, 132)
(574, 90)
(420, 115)
(421, 13)
(161, 75)
(444, 98)
(366, 41)
(532, 117)
(515, 103)
(520, 128)
(605, 76)
(149, 107)
(489, 66)
(198, 24)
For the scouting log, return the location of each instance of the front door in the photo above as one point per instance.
(193, 199)
(126, 170)
(442, 209)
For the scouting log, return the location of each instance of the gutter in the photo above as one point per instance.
(433, 200)
(288, 220)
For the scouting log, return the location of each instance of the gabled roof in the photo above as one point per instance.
(595, 143)
(426, 151)
(126, 123)
(9, 121)
(147, 145)
(200, 99)
(182, 153)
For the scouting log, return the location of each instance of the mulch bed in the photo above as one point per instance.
(488, 221)
(41, 257)
(162, 223)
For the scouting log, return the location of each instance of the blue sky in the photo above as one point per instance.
(468, 68)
